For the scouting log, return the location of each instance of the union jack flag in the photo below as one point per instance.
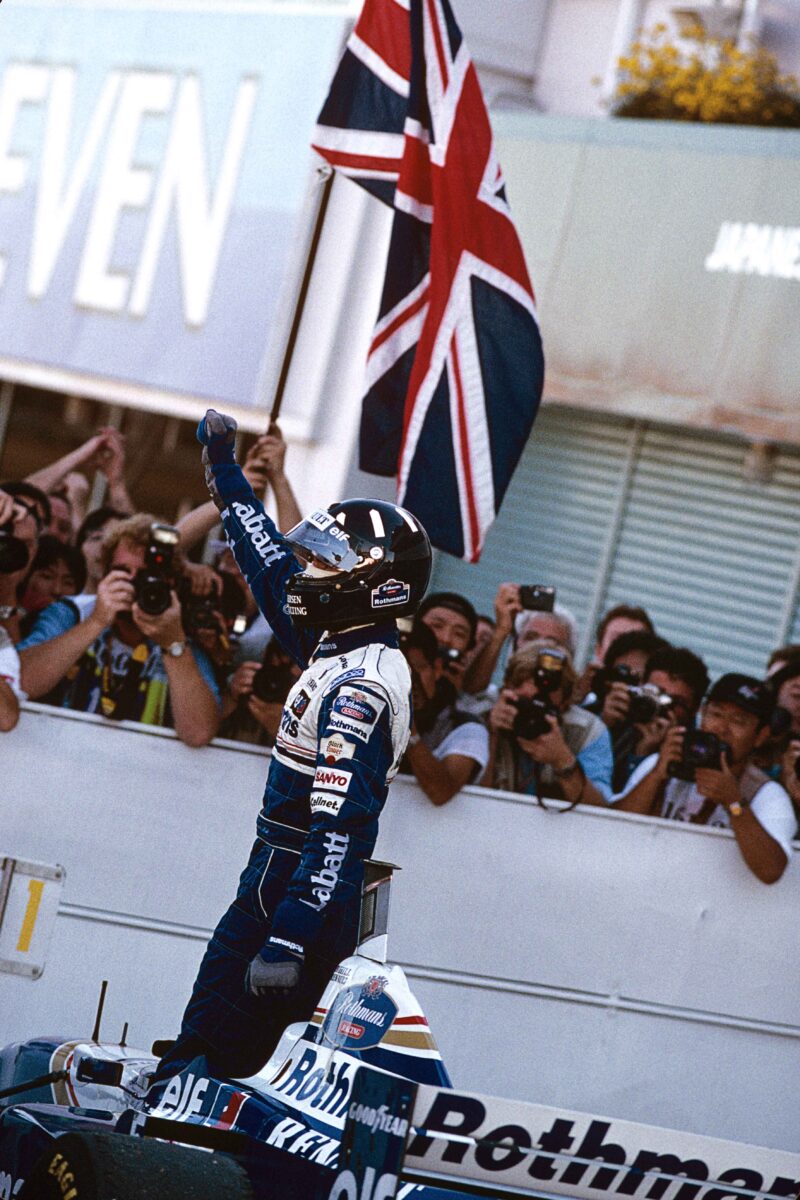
(455, 369)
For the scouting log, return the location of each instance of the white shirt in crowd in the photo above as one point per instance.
(9, 664)
(771, 805)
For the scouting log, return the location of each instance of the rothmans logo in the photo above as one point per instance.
(748, 249)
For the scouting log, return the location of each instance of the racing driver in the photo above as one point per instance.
(331, 589)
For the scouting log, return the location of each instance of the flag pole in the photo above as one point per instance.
(325, 173)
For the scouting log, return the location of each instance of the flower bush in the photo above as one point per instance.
(703, 78)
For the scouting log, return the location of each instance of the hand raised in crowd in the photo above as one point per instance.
(789, 770)
(111, 456)
(671, 749)
(720, 786)
(506, 607)
(114, 595)
(203, 579)
(265, 458)
(616, 704)
(164, 629)
(652, 734)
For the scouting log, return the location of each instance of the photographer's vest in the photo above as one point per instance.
(682, 802)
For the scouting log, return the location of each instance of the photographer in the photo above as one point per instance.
(523, 614)
(448, 747)
(783, 753)
(255, 696)
(707, 777)
(674, 682)
(9, 683)
(20, 527)
(541, 744)
(120, 652)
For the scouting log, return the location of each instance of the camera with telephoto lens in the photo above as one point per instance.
(13, 551)
(700, 750)
(153, 583)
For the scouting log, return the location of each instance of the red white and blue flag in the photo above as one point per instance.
(455, 369)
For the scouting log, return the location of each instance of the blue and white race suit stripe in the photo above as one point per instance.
(343, 732)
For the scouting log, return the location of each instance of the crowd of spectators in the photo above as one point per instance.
(105, 611)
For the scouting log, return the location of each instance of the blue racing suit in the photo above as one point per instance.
(343, 732)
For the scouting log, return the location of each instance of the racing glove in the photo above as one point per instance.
(275, 969)
(217, 435)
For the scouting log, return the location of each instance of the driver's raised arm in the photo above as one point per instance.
(264, 556)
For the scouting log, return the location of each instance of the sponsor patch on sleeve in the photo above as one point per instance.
(355, 705)
(336, 747)
(353, 673)
(300, 703)
(326, 803)
(333, 779)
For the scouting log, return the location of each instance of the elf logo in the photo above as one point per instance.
(333, 780)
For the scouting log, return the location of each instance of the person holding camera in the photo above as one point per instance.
(9, 683)
(542, 744)
(523, 613)
(255, 696)
(640, 708)
(448, 747)
(20, 527)
(124, 652)
(707, 776)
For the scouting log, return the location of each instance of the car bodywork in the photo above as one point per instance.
(297, 1105)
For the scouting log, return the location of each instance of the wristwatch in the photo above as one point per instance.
(735, 809)
(176, 649)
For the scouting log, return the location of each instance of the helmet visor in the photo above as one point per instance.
(318, 540)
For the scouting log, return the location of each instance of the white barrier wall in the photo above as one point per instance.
(586, 959)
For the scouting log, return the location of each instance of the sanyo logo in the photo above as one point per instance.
(100, 161)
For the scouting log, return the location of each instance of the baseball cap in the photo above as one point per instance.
(746, 692)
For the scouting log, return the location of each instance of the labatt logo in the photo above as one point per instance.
(326, 880)
(253, 524)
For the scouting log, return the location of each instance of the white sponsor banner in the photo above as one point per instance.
(534, 1147)
(153, 166)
